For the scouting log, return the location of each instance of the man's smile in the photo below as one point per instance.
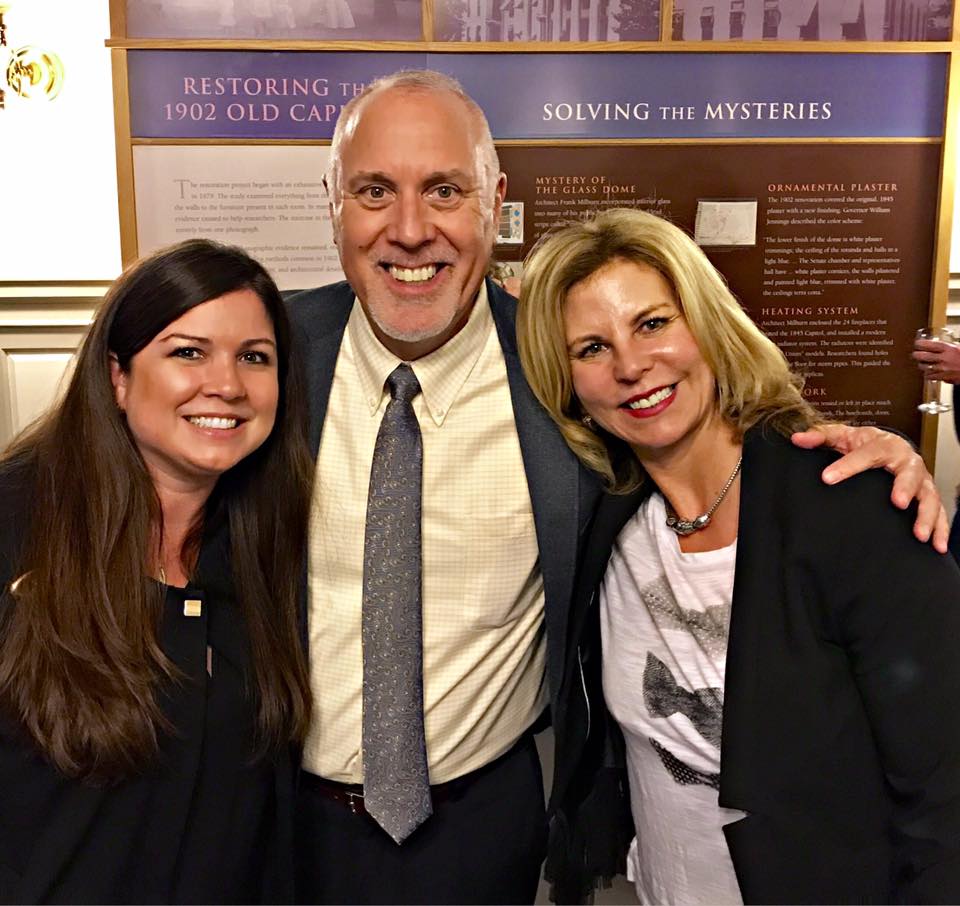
(413, 274)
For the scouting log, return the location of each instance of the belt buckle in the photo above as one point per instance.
(355, 802)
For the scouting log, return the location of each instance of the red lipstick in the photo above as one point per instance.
(669, 393)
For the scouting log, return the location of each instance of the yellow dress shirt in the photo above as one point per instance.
(482, 592)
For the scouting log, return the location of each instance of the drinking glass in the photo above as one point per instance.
(931, 389)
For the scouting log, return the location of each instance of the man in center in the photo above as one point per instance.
(434, 458)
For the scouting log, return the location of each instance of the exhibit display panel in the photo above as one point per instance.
(543, 20)
(372, 20)
(811, 20)
(812, 161)
(828, 247)
(269, 200)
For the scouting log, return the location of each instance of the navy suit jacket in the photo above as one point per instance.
(563, 494)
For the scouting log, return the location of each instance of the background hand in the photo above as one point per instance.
(937, 360)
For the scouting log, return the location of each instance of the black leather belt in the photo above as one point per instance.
(351, 794)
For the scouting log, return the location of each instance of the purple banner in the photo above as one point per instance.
(291, 95)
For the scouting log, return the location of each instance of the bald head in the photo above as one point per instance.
(422, 81)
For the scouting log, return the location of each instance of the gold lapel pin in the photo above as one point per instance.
(192, 607)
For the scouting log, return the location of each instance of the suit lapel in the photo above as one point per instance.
(555, 481)
(319, 317)
(613, 513)
(322, 315)
(756, 578)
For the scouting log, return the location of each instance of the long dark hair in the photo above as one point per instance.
(80, 660)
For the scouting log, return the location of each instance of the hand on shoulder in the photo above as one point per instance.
(867, 447)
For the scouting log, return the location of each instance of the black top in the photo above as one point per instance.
(204, 822)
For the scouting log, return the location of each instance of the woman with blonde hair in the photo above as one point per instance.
(153, 686)
(777, 656)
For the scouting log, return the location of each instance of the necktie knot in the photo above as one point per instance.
(403, 383)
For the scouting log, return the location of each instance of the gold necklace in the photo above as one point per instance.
(689, 526)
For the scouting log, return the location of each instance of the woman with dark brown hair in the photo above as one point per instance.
(152, 682)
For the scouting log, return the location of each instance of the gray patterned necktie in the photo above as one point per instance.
(396, 785)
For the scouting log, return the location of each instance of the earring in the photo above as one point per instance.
(588, 422)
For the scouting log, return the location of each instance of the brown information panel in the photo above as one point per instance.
(833, 260)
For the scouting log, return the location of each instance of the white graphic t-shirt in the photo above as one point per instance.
(665, 617)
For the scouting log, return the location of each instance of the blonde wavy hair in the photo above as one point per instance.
(754, 382)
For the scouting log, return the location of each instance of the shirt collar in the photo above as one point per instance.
(441, 374)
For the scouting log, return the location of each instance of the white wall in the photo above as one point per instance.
(59, 223)
(57, 158)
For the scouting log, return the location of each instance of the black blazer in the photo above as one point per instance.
(563, 494)
(841, 719)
